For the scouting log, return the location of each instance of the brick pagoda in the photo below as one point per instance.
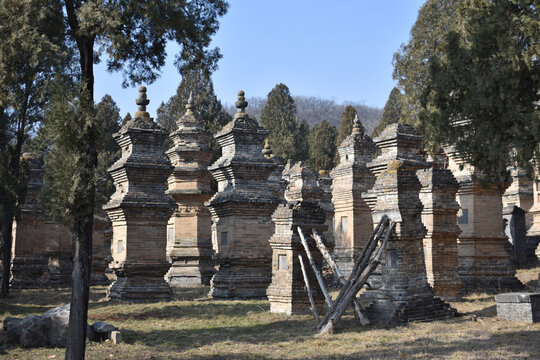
(287, 293)
(139, 211)
(189, 242)
(241, 209)
(484, 263)
(353, 223)
(439, 216)
(403, 293)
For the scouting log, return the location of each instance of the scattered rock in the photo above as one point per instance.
(102, 330)
(116, 337)
(59, 318)
(34, 331)
(51, 329)
(12, 327)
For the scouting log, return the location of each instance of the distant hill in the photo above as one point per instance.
(314, 110)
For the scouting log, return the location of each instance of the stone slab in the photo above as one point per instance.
(518, 307)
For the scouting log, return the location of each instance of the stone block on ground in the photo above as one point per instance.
(102, 330)
(116, 337)
(518, 306)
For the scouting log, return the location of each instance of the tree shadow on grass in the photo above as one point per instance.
(184, 310)
(183, 339)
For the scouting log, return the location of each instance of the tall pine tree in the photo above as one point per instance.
(391, 113)
(207, 107)
(435, 19)
(287, 136)
(483, 91)
(345, 127)
(322, 145)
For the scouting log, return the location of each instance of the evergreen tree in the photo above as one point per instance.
(28, 61)
(322, 145)
(346, 124)
(108, 116)
(391, 113)
(482, 95)
(280, 118)
(345, 127)
(207, 108)
(435, 19)
(133, 35)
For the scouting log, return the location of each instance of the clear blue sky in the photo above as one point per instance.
(339, 50)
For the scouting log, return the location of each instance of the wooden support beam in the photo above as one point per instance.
(308, 288)
(315, 270)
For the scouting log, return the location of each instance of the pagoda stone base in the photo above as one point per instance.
(99, 279)
(245, 279)
(345, 261)
(140, 289)
(299, 304)
(485, 267)
(190, 272)
(41, 271)
(388, 311)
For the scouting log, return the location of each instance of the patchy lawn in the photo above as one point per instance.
(195, 327)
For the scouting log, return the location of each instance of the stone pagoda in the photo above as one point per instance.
(484, 263)
(534, 230)
(520, 194)
(189, 240)
(139, 211)
(404, 293)
(242, 209)
(353, 223)
(439, 216)
(287, 293)
(41, 249)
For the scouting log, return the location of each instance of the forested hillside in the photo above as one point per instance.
(314, 110)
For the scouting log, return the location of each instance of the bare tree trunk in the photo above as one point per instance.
(78, 314)
(10, 204)
(7, 228)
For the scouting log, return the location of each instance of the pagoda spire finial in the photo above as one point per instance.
(267, 150)
(142, 101)
(357, 126)
(189, 105)
(241, 104)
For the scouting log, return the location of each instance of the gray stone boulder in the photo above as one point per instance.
(102, 330)
(12, 327)
(50, 329)
(59, 325)
(34, 331)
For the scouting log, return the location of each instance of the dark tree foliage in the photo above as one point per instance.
(346, 124)
(322, 145)
(345, 127)
(207, 107)
(108, 116)
(279, 117)
(29, 50)
(391, 113)
(131, 35)
(483, 91)
(435, 19)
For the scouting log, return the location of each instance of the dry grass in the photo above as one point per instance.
(194, 327)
